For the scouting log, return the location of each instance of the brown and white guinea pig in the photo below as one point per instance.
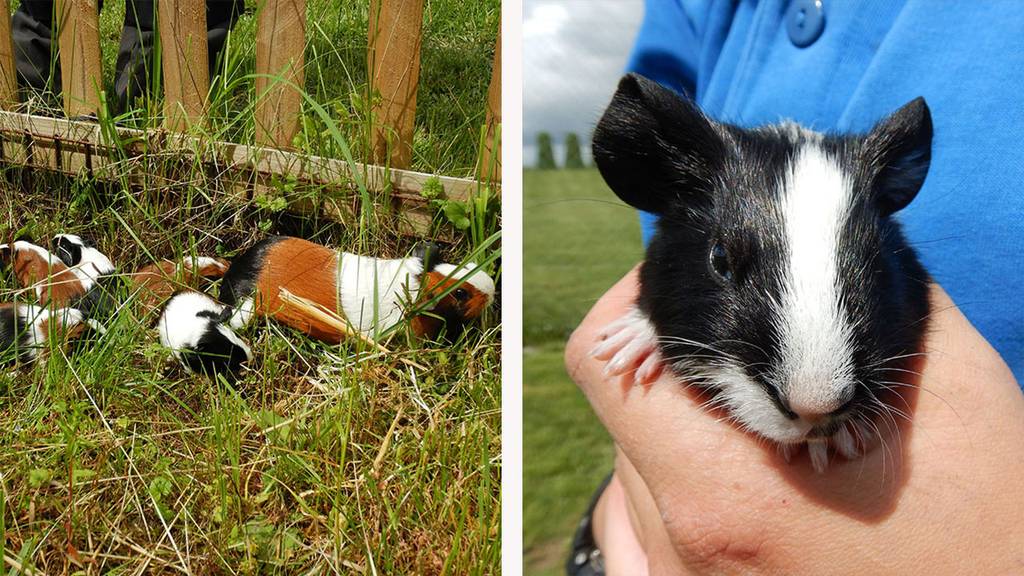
(777, 279)
(54, 282)
(372, 294)
(25, 329)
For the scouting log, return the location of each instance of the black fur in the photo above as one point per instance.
(13, 339)
(240, 279)
(102, 299)
(68, 252)
(715, 183)
(214, 354)
(429, 254)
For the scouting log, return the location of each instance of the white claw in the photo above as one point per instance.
(787, 451)
(608, 347)
(818, 449)
(845, 444)
(650, 369)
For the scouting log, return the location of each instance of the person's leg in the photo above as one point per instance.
(135, 55)
(31, 25)
(220, 17)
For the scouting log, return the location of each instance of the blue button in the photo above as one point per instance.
(805, 20)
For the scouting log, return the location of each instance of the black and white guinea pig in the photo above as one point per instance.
(194, 327)
(777, 278)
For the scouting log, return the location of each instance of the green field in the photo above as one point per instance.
(578, 240)
(320, 459)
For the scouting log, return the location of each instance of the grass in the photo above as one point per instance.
(319, 459)
(578, 240)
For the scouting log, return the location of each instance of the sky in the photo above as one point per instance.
(574, 52)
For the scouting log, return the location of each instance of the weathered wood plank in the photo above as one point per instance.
(35, 140)
(182, 28)
(489, 168)
(395, 35)
(8, 75)
(81, 75)
(280, 72)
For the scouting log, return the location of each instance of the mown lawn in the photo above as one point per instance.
(319, 459)
(578, 240)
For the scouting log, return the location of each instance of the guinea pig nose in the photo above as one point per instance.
(817, 409)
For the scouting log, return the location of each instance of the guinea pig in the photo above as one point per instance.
(154, 285)
(373, 294)
(96, 269)
(54, 282)
(777, 278)
(25, 329)
(194, 327)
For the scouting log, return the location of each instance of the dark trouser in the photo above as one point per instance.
(39, 68)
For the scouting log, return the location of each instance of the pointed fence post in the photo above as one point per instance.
(395, 36)
(182, 28)
(280, 41)
(79, 39)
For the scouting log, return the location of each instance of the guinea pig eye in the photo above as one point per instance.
(720, 261)
(461, 294)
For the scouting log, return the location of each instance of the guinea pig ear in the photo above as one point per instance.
(654, 147)
(69, 252)
(899, 148)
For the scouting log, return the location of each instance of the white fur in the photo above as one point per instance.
(181, 329)
(94, 263)
(200, 262)
(60, 319)
(394, 282)
(816, 370)
(474, 275)
(243, 313)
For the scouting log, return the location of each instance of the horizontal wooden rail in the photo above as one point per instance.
(77, 147)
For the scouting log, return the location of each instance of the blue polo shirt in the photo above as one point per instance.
(838, 65)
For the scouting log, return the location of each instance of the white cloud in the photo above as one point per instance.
(574, 52)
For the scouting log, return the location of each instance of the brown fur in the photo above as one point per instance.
(59, 283)
(156, 283)
(307, 270)
(429, 326)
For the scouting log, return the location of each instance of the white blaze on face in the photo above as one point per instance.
(816, 372)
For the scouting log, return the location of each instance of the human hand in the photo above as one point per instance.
(942, 494)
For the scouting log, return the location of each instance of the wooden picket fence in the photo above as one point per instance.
(393, 56)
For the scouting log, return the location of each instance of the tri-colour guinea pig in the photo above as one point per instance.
(777, 278)
(54, 282)
(373, 294)
(25, 329)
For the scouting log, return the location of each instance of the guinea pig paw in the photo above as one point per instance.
(631, 345)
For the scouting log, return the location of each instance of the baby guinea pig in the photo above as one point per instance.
(777, 278)
(373, 294)
(194, 327)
